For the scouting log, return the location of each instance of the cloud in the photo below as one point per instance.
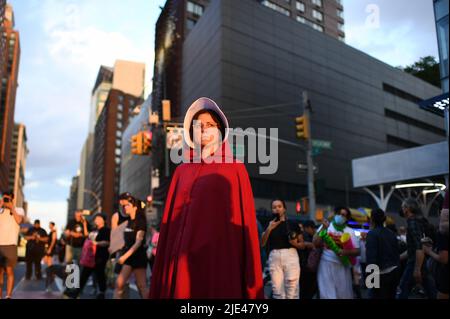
(47, 211)
(63, 182)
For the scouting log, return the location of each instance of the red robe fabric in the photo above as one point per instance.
(208, 245)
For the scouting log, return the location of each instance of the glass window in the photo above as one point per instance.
(120, 98)
(119, 125)
(317, 27)
(339, 2)
(440, 9)
(120, 108)
(276, 7)
(119, 116)
(341, 27)
(301, 19)
(118, 151)
(194, 8)
(317, 15)
(190, 24)
(341, 38)
(442, 34)
(300, 6)
(317, 2)
(119, 134)
(340, 14)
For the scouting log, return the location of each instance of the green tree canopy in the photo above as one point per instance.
(427, 69)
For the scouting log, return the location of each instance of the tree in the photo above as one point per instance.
(427, 69)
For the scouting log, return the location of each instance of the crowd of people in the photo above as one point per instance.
(329, 261)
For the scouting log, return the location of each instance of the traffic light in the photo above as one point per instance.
(137, 144)
(302, 127)
(147, 142)
(166, 110)
(298, 208)
(305, 205)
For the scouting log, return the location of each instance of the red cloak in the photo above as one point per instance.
(208, 245)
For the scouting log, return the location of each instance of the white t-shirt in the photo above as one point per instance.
(330, 255)
(9, 229)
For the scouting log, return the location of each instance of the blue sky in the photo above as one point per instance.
(64, 42)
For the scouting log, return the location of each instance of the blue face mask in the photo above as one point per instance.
(340, 220)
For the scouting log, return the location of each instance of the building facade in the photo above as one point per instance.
(72, 200)
(255, 62)
(9, 64)
(441, 15)
(108, 148)
(19, 152)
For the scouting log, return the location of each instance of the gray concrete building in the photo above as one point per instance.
(255, 62)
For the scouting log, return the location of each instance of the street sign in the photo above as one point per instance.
(301, 167)
(436, 105)
(321, 144)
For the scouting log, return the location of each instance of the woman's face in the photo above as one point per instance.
(278, 208)
(99, 222)
(128, 207)
(206, 131)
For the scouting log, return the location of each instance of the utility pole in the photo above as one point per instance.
(309, 157)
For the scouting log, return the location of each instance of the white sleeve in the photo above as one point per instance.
(355, 239)
(20, 211)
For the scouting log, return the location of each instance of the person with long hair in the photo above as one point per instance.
(52, 240)
(134, 257)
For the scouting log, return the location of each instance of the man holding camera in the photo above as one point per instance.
(76, 232)
(10, 219)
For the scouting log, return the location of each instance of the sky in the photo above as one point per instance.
(64, 42)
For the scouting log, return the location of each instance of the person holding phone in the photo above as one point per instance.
(283, 239)
(36, 240)
(76, 232)
(10, 219)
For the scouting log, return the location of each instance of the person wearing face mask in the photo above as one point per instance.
(334, 277)
(208, 245)
(282, 240)
(441, 255)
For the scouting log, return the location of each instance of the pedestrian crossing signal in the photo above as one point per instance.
(302, 127)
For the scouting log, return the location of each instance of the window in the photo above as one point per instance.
(339, 2)
(119, 125)
(341, 38)
(194, 8)
(119, 108)
(276, 7)
(341, 27)
(119, 134)
(411, 121)
(118, 151)
(317, 2)
(340, 13)
(119, 116)
(317, 15)
(317, 27)
(190, 24)
(301, 19)
(120, 98)
(300, 6)
(401, 94)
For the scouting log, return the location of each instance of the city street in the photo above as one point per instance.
(35, 289)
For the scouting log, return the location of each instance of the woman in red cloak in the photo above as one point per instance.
(208, 245)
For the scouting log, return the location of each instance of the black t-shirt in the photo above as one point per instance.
(279, 237)
(135, 225)
(33, 245)
(77, 227)
(304, 253)
(102, 235)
